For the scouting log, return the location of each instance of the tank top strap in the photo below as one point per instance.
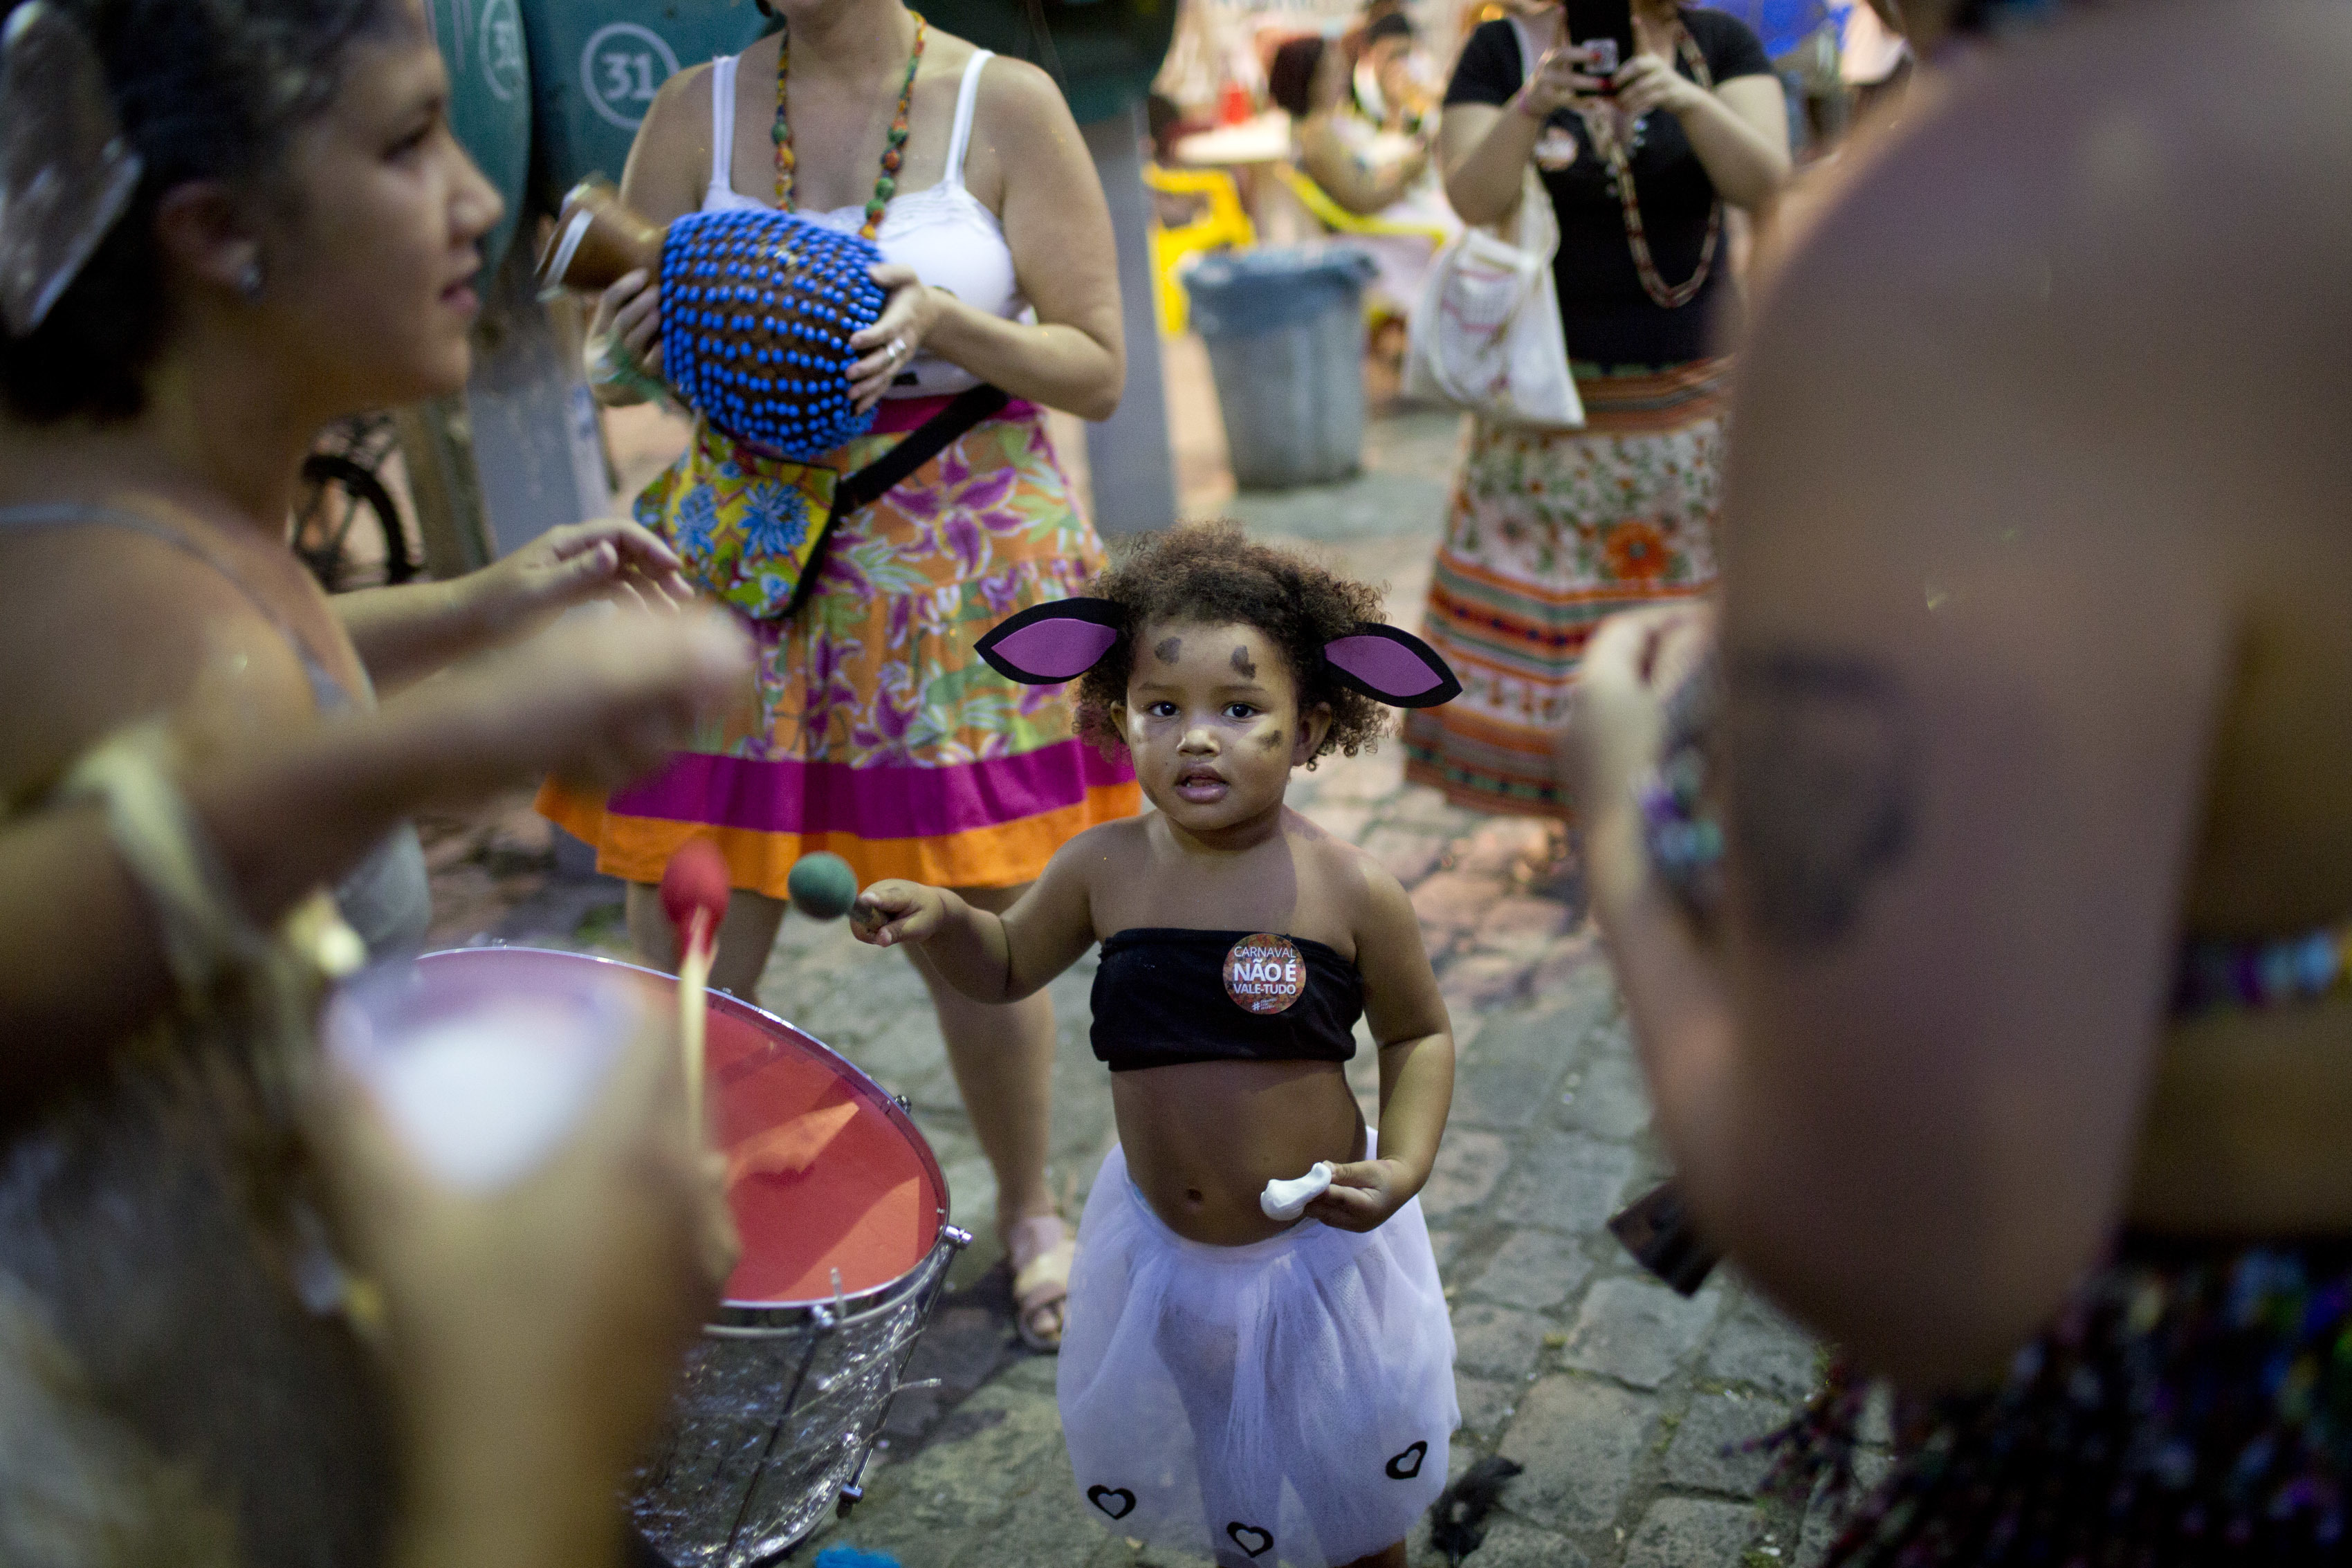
(967, 97)
(722, 122)
(324, 688)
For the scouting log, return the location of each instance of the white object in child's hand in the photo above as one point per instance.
(482, 1093)
(1289, 1199)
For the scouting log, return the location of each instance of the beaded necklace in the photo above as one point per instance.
(1668, 297)
(893, 146)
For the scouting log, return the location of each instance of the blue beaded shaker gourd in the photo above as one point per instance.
(757, 311)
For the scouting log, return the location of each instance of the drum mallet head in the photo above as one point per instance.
(694, 884)
(822, 885)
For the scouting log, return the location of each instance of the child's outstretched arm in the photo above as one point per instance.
(1416, 1044)
(989, 957)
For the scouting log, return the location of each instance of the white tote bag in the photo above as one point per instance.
(1486, 332)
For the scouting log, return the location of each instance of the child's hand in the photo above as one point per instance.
(1364, 1194)
(892, 911)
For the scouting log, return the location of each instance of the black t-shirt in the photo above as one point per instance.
(1609, 318)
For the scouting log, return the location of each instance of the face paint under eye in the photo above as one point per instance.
(1243, 665)
(1170, 650)
(1275, 740)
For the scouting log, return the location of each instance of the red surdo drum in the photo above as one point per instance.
(841, 1213)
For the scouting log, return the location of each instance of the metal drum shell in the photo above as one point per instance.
(771, 1426)
(779, 1402)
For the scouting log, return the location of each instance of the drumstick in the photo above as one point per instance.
(694, 895)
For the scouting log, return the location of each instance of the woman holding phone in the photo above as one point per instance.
(1552, 531)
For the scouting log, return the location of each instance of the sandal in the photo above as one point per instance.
(1041, 1250)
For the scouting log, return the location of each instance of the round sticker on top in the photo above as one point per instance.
(1265, 973)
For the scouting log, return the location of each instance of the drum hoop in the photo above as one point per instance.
(743, 1319)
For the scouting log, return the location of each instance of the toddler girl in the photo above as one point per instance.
(1234, 1380)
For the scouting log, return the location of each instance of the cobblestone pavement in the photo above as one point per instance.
(1625, 1402)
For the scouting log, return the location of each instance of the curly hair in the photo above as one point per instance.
(1214, 574)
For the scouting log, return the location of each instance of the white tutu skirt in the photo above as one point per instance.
(1287, 1402)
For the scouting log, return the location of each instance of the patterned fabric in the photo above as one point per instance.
(744, 522)
(1549, 533)
(2191, 1405)
(871, 728)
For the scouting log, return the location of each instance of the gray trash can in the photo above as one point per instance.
(1284, 330)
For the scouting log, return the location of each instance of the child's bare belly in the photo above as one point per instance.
(1204, 1138)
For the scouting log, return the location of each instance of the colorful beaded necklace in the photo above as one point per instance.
(2265, 974)
(893, 147)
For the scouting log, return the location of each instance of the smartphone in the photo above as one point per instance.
(1604, 28)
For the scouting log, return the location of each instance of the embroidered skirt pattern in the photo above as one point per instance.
(1549, 534)
(870, 728)
(1287, 1402)
(2192, 1406)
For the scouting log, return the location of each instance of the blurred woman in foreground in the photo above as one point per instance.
(2024, 1018)
(223, 226)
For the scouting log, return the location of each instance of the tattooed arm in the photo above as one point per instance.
(1979, 626)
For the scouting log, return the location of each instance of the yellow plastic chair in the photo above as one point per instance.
(1224, 224)
(1339, 220)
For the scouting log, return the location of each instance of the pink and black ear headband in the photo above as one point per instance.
(1061, 640)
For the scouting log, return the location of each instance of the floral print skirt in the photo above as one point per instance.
(1549, 533)
(870, 728)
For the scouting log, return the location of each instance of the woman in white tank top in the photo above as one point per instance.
(875, 732)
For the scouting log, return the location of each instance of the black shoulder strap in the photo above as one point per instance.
(869, 483)
(923, 443)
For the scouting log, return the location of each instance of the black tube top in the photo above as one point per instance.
(1166, 995)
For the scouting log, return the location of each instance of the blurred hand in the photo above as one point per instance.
(1364, 1193)
(1648, 82)
(1559, 82)
(1633, 665)
(599, 699)
(885, 348)
(535, 1330)
(629, 314)
(607, 558)
(893, 911)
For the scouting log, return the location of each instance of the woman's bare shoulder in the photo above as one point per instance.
(2061, 298)
(2089, 177)
(682, 102)
(671, 155)
(1019, 104)
(99, 628)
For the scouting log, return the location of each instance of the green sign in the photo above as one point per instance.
(596, 65)
(482, 45)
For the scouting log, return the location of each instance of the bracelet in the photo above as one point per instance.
(1680, 831)
(1520, 103)
(1683, 839)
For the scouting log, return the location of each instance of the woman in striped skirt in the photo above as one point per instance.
(1550, 532)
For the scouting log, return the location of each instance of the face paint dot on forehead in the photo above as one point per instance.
(1170, 650)
(1243, 665)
